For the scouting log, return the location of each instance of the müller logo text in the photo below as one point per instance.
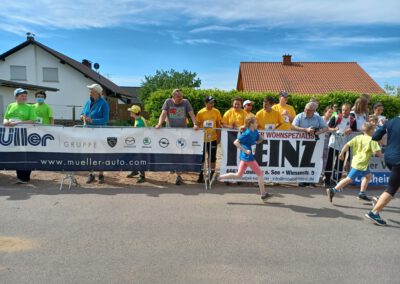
(20, 137)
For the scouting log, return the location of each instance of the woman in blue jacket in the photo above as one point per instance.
(96, 112)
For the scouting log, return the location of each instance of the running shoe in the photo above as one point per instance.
(364, 197)
(331, 193)
(141, 179)
(20, 181)
(375, 218)
(266, 196)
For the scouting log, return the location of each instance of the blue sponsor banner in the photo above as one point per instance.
(380, 173)
(377, 179)
(110, 149)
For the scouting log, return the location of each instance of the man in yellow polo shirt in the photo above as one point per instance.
(248, 107)
(209, 118)
(234, 117)
(268, 118)
(287, 111)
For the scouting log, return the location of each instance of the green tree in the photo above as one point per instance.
(170, 79)
(392, 90)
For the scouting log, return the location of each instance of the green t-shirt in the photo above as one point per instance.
(20, 112)
(363, 148)
(140, 122)
(43, 113)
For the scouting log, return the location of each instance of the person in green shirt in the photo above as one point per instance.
(44, 113)
(139, 122)
(19, 112)
(363, 148)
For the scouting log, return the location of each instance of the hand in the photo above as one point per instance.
(11, 124)
(88, 119)
(347, 131)
(247, 152)
(234, 125)
(341, 156)
(158, 126)
(82, 117)
(195, 127)
(310, 130)
(285, 112)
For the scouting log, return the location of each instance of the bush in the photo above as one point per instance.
(196, 97)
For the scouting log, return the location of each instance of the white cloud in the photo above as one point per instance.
(16, 16)
(345, 40)
(386, 74)
(223, 79)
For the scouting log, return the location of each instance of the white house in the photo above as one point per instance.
(35, 66)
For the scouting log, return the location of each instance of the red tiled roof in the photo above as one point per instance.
(305, 77)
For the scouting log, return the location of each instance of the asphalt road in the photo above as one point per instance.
(121, 234)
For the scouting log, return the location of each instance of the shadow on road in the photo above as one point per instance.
(308, 211)
(152, 188)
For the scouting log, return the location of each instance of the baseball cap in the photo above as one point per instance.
(209, 99)
(19, 91)
(135, 109)
(247, 102)
(283, 94)
(96, 87)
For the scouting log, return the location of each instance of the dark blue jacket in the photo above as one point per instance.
(392, 152)
(99, 112)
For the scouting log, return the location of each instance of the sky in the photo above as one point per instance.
(132, 38)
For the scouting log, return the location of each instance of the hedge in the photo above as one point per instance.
(196, 98)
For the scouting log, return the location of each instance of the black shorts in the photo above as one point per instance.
(394, 179)
(206, 149)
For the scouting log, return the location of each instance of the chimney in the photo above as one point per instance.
(287, 59)
(30, 36)
(87, 63)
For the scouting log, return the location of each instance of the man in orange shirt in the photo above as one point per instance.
(287, 111)
(268, 118)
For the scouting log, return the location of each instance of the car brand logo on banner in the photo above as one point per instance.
(146, 141)
(112, 141)
(130, 141)
(163, 142)
(181, 143)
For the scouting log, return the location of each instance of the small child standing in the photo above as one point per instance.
(139, 122)
(246, 143)
(363, 149)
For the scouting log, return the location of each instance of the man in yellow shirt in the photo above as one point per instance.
(287, 111)
(268, 118)
(248, 107)
(209, 118)
(234, 117)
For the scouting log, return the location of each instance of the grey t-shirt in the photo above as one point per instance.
(177, 114)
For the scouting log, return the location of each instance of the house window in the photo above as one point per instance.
(18, 73)
(50, 74)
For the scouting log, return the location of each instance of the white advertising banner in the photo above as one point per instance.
(284, 156)
(85, 148)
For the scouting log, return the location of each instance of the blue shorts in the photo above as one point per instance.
(355, 173)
